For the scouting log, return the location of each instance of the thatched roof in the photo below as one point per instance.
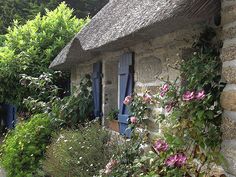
(122, 23)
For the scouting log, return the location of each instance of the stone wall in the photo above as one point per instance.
(156, 58)
(152, 60)
(228, 97)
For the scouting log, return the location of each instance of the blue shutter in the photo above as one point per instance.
(97, 89)
(126, 75)
(10, 115)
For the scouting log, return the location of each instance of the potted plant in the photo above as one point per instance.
(112, 117)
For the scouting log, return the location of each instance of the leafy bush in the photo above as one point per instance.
(68, 111)
(190, 138)
(21, 11)
(24, 147)
(30, 48)
(74, 109)
(80, 153)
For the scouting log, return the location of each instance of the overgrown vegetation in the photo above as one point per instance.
(30, 48)
(23, 148)
(25, 10)
(80, 153)
(189, 144)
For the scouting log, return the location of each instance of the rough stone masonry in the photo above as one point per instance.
(228, 98)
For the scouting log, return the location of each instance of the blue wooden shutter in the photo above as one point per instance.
(10, 117)
(97, 89)
(126, 76)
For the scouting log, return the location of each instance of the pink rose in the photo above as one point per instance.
(171, 161)
(161, 146)
(162, 94)
(182, 159)
(187, 96)
(165, 88)
(169, 107)
(127, 100)
(200, 95)
(133, 120)
(177, 160)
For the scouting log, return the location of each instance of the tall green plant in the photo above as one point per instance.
(21, 11)
(30, 48)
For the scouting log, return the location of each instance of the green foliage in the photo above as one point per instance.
(113, 114)
(68, 111)
(24, 147)
(21, 11)
(80, 153)
(75, 109)
(43, 91)
(30, 48)
(190, 122)
(86, 8)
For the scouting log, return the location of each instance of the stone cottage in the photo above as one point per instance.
(127, 44)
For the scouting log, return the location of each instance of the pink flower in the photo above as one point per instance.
(165, 88)
(127, 100)
(200, 95)
(177, 160)
(161, 146)
(162, 94)
(171, 161)
(169, 107)
(187, 96)
(147, 98)
(110, 165)
(181, 160)
(133, 120)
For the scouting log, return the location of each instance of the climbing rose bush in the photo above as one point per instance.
(190, 138)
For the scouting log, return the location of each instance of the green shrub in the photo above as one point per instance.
(76, 108)
(24, 147)
(30, 48)
(78, 153)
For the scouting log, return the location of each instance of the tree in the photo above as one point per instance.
(23, 10)
(29, 49)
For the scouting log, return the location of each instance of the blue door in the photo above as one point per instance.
(97, 89)
(126, 82)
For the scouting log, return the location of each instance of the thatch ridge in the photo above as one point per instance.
(122, 23)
